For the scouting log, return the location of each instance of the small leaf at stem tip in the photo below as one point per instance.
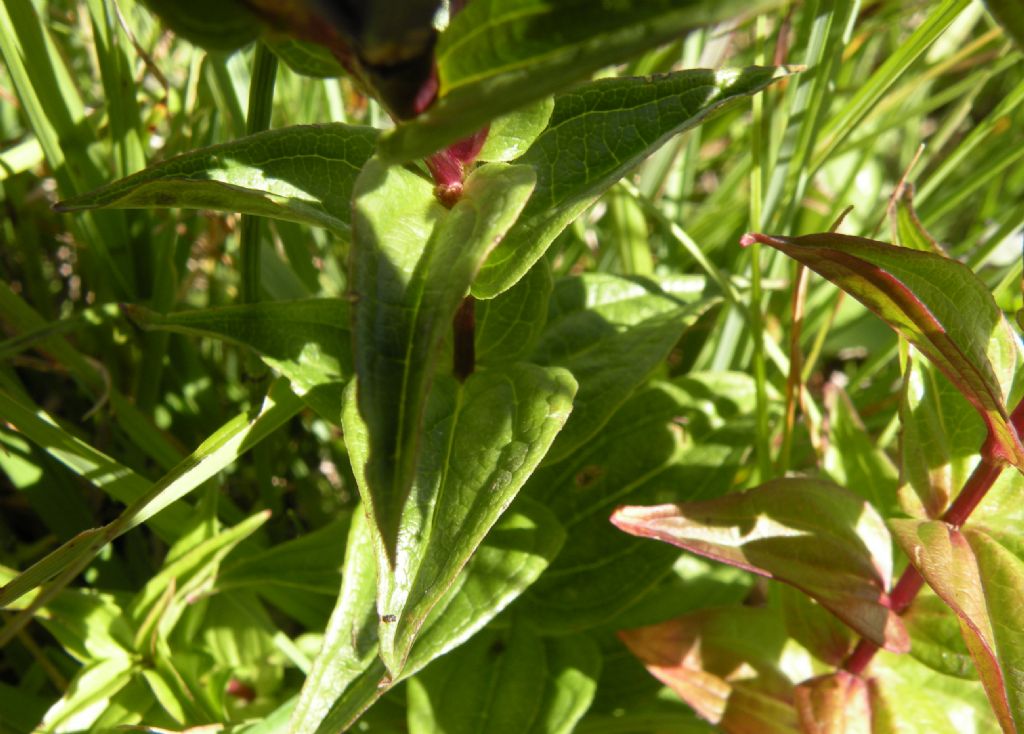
(937, 304)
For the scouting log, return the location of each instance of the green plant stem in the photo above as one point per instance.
(261, 98)
(910, 583)
(757, 177)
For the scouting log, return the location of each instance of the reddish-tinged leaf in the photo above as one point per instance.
(814, 535)
(838, 703)
(713, 662)
(814, 627)
(984, 584)
(939, 305)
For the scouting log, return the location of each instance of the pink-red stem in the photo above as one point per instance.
(910, 583)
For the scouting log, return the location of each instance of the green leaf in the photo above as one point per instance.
(814, 535)
(641, 455)
(814, 627)
(854, 460)
(219, 450)
(939, 305)
(506, 681)
(300, 174)
(186, 574)
(1010, 15)
(350, 640)
(495, 57)
(222, 26)
(904, 696)
(307, 341)
(512, 556)
(482, 440)
(412, 264)
(303, 57)
(942, 434)
(935, 638)
(508, 326)
(598, 132)
(511, 135)
(611, 333)
(982, 580)
(906, 228)
(88, 695)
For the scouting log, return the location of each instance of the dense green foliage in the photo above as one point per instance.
(514, 367)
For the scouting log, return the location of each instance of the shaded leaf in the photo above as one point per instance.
(598, 132)
(494, 58)
(724, 664)
(409, 277)
(223, 26)
(303, 57)
(853, 459)
(508, 326)
(1010, 16)
(939, 305)
(813, 535)
(611, 333)
(935, 638)
(300, 174)
(482, 440)
(942, 435)
(810, 624)
(837, 703)
(507, 681)
(983, 582)
(641, 455)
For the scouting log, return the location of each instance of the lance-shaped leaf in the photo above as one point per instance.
(939, 305)
(507, 681)
(598, 132)
(837, 703)
(982, 580)
(412, 263)
(641, 455)
(481, 441)
(724, 664)
(935, 638)
(611, 333)
(219, 450)
(300, 174)
(307, 341)
(345, 680)
(511, 135)
(813, 535)
(495, 57)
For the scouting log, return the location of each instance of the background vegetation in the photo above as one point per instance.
(703, 368)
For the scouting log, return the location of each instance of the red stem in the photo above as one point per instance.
(974, 490)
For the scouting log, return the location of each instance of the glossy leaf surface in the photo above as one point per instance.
(598, 132)
(482, 440)
(813, 535)
(495, 57)
(512, 556)
(411, 267)
(300, 174)
(937, 304)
